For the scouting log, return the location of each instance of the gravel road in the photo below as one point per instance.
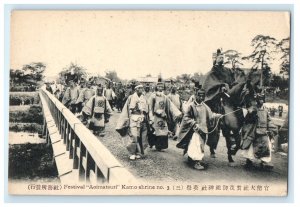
(171, 165)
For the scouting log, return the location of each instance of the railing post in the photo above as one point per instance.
(99, 175)
(87, 167)
(75, 154)
(65, 130)
(44, 127)
(68, 136)
(80, 165)
(71, 145)
(62, 126)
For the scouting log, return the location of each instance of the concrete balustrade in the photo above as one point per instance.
(79, 155)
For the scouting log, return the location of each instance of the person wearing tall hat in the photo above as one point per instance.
(98, 110)
(197, 120)
(216, 86)
(257, 133)
(162, 113)
(70, 96)
(196, 88)
(134, 121)
(217, 80)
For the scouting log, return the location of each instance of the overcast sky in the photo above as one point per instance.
(136, 43)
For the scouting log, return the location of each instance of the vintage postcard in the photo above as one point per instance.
(149, 102)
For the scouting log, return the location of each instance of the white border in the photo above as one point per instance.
(295, 72)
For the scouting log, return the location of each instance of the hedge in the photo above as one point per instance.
(32, 162)
(22, 88)
(23, 98)
(26, 127)
(33, 115)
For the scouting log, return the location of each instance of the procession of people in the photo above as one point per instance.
(150, 118)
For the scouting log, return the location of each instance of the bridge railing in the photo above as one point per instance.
(92, 159)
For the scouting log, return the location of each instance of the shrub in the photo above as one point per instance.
(26, 127)
(33, 115)
(23, 98)
(31, 161)
(19, 88)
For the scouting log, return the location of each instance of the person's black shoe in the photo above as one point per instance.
(266, 166)
(248, 164)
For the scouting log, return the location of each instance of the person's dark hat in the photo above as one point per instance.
(99, 85)
(97, 82)
(147, 85)
(133, 84)
(260, 96)
(200, 91)
(82, 80)
(218, 53)
(197, 85)
(160, 84)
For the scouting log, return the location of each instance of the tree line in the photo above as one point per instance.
(265, 48)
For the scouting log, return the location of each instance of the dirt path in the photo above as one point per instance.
(172, 166)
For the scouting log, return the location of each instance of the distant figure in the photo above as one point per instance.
(147, 93)
(70, 97)
(120, 95)
(280, 110)
(110, 95)
(176, 100)
(48, 87)
(272, 111)
(85, 95)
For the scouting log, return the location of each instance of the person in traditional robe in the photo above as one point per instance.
(148, 93)
(59, 91)
(82, 87)
(99, 111)
(216, 86)
(49, 88)
(134, 121)
(280, 110)
(110, 95)
(257, 133)
(162, 113)
(218, 80)
(120, 94)
(70, 97)
(193, 130)
(192, 97)
(85, 95)
(176, 100)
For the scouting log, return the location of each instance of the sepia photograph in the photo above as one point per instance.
(149, 102)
